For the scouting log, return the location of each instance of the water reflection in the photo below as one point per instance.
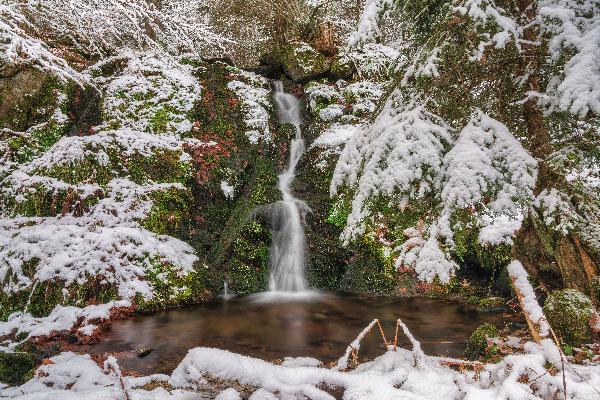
(320, 328)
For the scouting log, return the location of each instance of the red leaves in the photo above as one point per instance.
(207, 155)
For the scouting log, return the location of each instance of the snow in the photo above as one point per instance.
(152, 87)
(62, 318)
(336, 135)
(530, 303)
(301, 362)
(256, 103)
(399, 154)
(229, 394)
(227, 189)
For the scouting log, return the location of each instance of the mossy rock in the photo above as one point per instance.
(569, 311)
(47, 295)
(477, 346)
(342, 68)
(16, 368)
(300, 61)
(172, 288)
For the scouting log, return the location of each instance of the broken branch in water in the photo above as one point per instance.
(352, 349)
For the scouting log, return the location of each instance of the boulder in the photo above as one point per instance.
(299, 61)
(569, 312)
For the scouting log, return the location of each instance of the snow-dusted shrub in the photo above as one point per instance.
(371, 61)
(423, 253)
(556, 211)
(368, 29)
(100, 27)
(571, 30)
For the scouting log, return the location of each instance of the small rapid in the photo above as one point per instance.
(288, 243)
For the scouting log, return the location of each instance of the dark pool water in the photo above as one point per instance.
(320, 328)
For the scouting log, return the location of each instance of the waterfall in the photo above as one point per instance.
(287, 247)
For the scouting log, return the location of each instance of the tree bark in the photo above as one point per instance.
(544, 253)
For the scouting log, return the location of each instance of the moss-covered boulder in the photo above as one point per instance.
(569, 311)
(299, 60)
(16, 368)
(477, 344)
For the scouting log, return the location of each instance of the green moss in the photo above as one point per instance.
(47, 295)
(492, 304)
(248, 268)
(16, 368)
(371, 270)
(161, 119)
(40, 201)
(172, 288)
(468, 248)
(339, 212)
(569, 311)
(477, 346)
(170, 211)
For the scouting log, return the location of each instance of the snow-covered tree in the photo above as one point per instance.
(100, 27)
(531, 70)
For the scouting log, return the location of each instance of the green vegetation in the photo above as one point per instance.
(569, 311)
(16, 368)
(477, 345)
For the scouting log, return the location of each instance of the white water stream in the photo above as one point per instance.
(287, 247)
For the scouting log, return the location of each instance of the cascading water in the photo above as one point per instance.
(287, 247)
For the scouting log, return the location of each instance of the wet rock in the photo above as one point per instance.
(319, 317)
(143, 351)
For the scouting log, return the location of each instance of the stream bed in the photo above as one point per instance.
(321, 327)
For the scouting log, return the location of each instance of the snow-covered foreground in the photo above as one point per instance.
(400, 374)
(541, 371)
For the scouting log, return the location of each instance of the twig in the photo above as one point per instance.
(382, 334)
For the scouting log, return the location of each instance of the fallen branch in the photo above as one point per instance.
(352, 349)
(110, 365)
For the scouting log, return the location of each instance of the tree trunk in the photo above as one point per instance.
(554, 259)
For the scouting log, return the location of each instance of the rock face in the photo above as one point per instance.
(299, 61)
